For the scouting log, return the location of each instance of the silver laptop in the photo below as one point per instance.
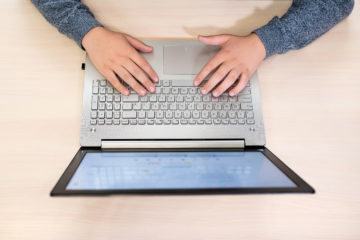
(175, 141)
(177, 115)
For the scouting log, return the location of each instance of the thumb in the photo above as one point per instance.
(214, 40)
(139, 45)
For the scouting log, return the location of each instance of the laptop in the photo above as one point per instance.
(175, 140)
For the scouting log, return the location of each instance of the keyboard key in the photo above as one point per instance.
(192, 122)
(109, 106)
(225, 121)
(241, 114)
(117, 98)
(205, 114)
(208, 122)
(250, 114)
(168, 114)
(101, 106)
(109, 114)
(93, 121)
(167, 121)
(213, 114)
(93, 114)
(116, 121)
(175, 122)
(232, 114)
(183, 121)
(186, 114)
(199, 106)
(183, 91)
(117, 106)
(250, 121)
(127, 106)
(150, 114)
(150, 122)
(175, 91)
(127, 115)
(95, 90)
(241, 121)
(196, 114)
(133, 121)
(108, 121)
(101, 121)
(177, 114)
(116, 114)
(158, 121)
(102, 98)
(159, 114)
(101, 114)
(130, 98)
(188, 98)
(153, 98)
(192, 91)
(141, 114)
(102, 83)
(246, 106)
(217, 121)
(141, 121)
(170, 98)
(125, 122)
(166, 83)
(233, 121)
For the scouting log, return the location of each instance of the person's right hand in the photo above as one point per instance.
(114, 54)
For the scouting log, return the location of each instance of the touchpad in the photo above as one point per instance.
(187, 59)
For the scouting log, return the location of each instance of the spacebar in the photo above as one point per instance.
(182, 83)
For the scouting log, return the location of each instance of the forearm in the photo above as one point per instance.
(305, 21)
(70, 17)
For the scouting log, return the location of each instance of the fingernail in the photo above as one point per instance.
(127, 93)
(215, 94)
(231, 93)
(196, 83)
(152, 89)
(203, 91)
(142, 92)
(156, 79)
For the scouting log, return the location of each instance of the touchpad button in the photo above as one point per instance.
(187, 60)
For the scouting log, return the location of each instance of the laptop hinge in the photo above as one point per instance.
(108, 144)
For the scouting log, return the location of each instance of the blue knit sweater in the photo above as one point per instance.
(305, 21)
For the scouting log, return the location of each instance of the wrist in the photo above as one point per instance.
(259, 45)
(91, 36)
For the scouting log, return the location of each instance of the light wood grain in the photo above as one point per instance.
(311, 111)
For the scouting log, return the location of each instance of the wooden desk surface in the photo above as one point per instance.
(311, 111)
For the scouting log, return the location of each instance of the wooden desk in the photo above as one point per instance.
(311, 111)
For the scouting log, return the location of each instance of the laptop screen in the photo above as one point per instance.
(176, 170)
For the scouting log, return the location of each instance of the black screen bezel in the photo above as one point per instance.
(60, 187)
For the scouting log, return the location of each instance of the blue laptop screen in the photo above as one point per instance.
(176, 170)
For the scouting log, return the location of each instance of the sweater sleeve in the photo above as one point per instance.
(70, 17)
(305, 21)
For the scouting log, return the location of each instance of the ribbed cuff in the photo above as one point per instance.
(272, 37)
(81, 25)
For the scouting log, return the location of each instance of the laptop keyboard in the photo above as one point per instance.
(175, 102)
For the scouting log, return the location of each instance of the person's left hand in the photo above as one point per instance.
(238, 58)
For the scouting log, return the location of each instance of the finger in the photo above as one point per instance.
(208, 68)
(144, 65)
(111, 77)
(129, 79)
(216, 78)
(244, 78)
(139, 45)
(228, 82)
(215, 39)
(139, 75)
